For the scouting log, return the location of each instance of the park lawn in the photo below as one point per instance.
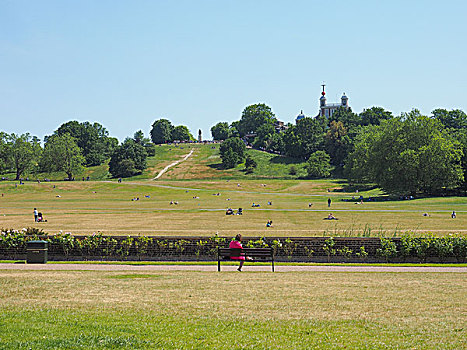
(106, 206)
(209, 310)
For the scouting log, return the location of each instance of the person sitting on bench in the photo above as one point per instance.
(237, 243)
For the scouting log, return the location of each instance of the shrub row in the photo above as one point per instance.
(408, 248)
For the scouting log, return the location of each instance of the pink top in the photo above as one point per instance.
(236, 244)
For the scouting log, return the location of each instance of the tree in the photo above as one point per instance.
(253, 117)
(124, 168)
(292, 144)
(407, 155)
(337, 143)
(3, 151)
(22, 153)
(310, 132)
(263, 134)
(233, 129)
(374, 116)
(220, 131)
(346, 116)
(455, 119)
(318, 165)
(181, 133)
(139, 138)
(93, 140)
(61, 153)
(305, 138)
(232, 152)
(461, 136)
(161, 131)
(128, 159)
(250, 162)
(275, 143)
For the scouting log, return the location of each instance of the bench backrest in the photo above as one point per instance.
(253, 252)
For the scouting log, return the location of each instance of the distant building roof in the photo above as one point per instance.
(300, 116)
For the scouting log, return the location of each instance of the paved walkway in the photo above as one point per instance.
(213, 268)
(173, 164)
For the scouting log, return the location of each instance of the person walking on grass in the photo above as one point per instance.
(329, 202)
(36, 214)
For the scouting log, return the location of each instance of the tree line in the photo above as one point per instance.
(408, 154)
(75, 145)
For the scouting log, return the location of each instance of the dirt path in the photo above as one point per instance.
(173, 164)
(213, 268)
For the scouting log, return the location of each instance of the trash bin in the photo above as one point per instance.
(36, 252)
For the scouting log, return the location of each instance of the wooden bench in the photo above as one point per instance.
(257, 254)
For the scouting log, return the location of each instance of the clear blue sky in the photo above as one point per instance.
(125, 64)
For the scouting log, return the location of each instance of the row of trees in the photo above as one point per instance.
(163, 132)
(68, 149)
(408, 154)
(75, 145)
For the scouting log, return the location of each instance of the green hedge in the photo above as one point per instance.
(97, 246)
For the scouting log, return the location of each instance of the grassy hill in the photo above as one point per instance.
(204, 163)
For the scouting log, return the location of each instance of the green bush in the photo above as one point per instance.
(328, 248)
(345, 252)
(388, 249)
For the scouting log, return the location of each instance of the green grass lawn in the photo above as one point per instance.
(208, 310)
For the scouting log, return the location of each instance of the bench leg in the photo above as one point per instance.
(218, 265)
(273, 265)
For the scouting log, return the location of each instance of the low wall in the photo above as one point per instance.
(296, 249)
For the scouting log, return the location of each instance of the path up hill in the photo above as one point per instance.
(205, 163)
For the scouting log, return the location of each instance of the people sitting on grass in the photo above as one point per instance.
(237, 243)
(269, 223)
(40, 218)
(331, 217)
(240, 211)
(453, 215)
(229, 211)
(255, 205)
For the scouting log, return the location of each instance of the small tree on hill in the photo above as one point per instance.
(161, 131)
(232, 152)
(61, 153)
(128, 159)
(318, 165)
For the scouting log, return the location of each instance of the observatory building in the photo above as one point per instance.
(326, 109)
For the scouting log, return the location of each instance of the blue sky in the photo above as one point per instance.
(125, 64)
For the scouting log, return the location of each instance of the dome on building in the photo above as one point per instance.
(300, 116)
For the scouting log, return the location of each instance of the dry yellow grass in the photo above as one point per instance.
(288, 310)
(87, 207)
(413, 298)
